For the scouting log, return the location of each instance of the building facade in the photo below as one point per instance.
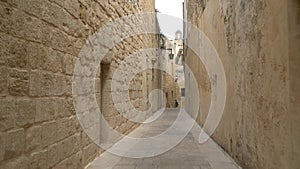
(257, 42)
(173, 79)
(40, 42)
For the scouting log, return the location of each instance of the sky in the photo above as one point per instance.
(170, 7)
(170, 16)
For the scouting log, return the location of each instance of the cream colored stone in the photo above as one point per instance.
(89, 153)
(38, 160)
(40, 42)
(17, 163)
(252, 39)
(49, 133)
(14, 144)
(3, 81)
(62, 150)
(73, 162)
(46, 84)
(33, 138)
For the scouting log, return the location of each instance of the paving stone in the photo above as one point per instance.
(146, 166)
(124, 167)
(188, 154)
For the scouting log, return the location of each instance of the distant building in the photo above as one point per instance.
(173, 80)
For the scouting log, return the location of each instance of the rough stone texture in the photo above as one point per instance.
(139, 88)
(39, 43)
(171, 90)
(258, 45)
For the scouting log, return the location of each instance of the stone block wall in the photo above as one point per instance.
(139, 88)
(258, 45)
(39, 43)
(171, 90)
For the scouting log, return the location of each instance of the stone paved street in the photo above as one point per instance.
(189, 154)
(79, 80)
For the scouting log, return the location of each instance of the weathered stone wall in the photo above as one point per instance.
(171, 90)
(293, 117)
(40, 41)
(141, 85)
(139, 88)
(258, 44)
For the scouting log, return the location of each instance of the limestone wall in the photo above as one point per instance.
(39, 43)
(258, 44)
(172, 91)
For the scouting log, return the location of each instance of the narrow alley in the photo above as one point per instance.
(187, 154)
(149, 84)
